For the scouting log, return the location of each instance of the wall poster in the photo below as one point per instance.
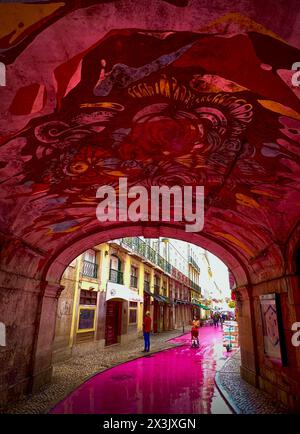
(274, 344)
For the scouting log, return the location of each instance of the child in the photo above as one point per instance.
(195, 336)
(195, 332)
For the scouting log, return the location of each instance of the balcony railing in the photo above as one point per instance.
(89, 269)
(133, 281)
(144, 250)
(195, 286)
(116, 276)
(194, 264)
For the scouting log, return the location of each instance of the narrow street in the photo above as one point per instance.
(177, 380)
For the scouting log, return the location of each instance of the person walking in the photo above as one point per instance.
(195, 332)
(216, 319)
(146, 331)
(223, 318)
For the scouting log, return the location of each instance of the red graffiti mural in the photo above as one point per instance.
(160, 108)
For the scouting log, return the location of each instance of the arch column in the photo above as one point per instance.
(247, 335)
(43, 348)
(28, 312)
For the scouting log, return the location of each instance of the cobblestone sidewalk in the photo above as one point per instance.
(70, 374)
(241, 396)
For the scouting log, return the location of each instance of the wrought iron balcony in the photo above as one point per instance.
(89, 269)
(143, 249)
(116, 276)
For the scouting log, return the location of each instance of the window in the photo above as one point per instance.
(90, 255)
(164, 287)
(147, 281)
(88, 297)
(115, 273)
(133, 277)
(133, 312)
(89, 266)
(115, 263)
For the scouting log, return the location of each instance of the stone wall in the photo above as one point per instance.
(282, 382)
(61, 344)
(28, 311)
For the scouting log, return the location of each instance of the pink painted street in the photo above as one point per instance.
(178, 380)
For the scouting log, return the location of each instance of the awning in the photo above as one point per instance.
(166, 299)
(158, 297)
(162, 298)
(155, 296)
(201, 305)
(114, 290)
(149, 292)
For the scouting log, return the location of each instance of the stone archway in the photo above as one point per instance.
(48, 289)
(212, 107)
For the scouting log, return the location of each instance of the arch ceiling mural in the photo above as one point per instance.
(212, 107)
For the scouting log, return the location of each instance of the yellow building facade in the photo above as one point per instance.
(109, 288)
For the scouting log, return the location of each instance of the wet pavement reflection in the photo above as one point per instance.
(178, 380)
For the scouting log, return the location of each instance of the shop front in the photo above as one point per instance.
(121, 312)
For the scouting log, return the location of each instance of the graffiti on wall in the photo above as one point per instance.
(159, 108)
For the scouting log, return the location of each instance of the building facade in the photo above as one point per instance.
(109, 288)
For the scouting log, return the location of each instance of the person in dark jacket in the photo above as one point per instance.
(146, 331)
(216, 319)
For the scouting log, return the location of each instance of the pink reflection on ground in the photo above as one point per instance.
(179, 380)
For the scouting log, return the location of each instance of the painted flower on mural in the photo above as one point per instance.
(89, 161)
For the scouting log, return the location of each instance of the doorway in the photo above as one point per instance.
(113, 322)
